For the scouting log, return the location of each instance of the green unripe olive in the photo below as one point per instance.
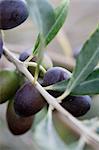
(16, 124)
(9, 83)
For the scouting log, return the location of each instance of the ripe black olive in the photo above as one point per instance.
(16, 124)
(28, 101)
(77, 105)
(12, 13)
(54, 75)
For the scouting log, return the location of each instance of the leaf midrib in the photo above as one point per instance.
(74, 83)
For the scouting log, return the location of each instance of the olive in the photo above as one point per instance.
(77, 105)
(23, 56)
(16, 124)
(28, 101)
(54, 75)
(12, 13)
(9, 83)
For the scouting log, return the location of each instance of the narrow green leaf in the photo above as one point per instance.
(42, 13)
(59, 8)
(86, 61)
(60, 19)
(90, 86)
(60, 86)
(47, 15)
(60, 14)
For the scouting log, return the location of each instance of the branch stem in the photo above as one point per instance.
(74, 123)
(33, 64)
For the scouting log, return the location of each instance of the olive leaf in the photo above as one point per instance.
(60, 16)
(90, 86)
(45, 136)
(60, 19)
(42, 13)
(59, 86)
(86, 61)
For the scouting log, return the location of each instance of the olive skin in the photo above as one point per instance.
(77, 105)
(28, 101)
(54, 75)
(16, 124)
(9, 83)
(23, 56)
(12, 13)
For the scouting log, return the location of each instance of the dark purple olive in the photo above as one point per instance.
(23, 56)
(28, 101)
(16, 124)
(12, 13)
(77, 105)
(54, 75)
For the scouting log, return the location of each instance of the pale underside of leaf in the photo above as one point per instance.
(45, 136)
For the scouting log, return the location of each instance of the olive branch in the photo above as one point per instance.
(88, 135)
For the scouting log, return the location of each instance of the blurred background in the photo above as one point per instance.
(82, 20)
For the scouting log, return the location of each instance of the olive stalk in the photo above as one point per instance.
(34, 65)
(75, 124)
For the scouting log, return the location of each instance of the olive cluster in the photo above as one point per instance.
(12, 14)
(76, 105)
(24, 99)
